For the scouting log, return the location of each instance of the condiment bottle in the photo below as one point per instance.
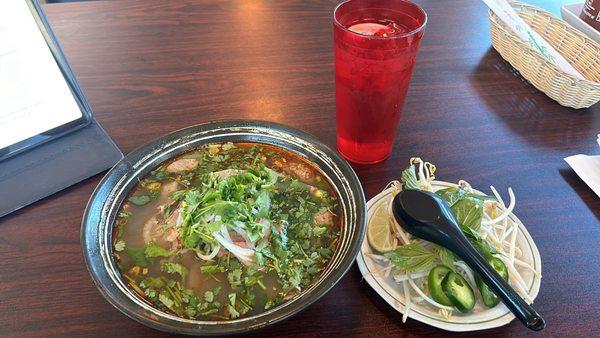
(590, 13)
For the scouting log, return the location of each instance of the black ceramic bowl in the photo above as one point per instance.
(97, 225)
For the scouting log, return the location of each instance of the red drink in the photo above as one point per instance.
(375, 42)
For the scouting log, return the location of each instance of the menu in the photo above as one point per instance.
(34, 95)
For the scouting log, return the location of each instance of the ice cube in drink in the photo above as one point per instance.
(382, 28)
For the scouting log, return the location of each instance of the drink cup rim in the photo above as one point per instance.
(398, 36)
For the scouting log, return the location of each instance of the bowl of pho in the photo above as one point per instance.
(223, 227)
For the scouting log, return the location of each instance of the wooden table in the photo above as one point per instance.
(149, 67)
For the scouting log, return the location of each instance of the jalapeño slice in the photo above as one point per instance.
(436, 275)
(487, 295)
(458, 291)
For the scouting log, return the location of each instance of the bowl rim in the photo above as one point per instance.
(97, 224)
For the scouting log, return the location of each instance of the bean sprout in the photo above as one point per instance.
(497, 228)
(506, 211)
(404, 277)
(426, 298)
(407, 301)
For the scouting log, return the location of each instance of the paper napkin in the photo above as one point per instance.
(588, 168)
(510, 17)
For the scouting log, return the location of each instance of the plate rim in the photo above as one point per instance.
(447, 325)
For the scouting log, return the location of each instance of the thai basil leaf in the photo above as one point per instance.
(411, 257)
(446, 256)
(451, 195)
(484, 248)
(478, 242)
(468, 212)
(409, 178)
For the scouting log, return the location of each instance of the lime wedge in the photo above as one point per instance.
(379, 231)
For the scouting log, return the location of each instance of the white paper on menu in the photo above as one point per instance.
(34, 96)
(510, 17)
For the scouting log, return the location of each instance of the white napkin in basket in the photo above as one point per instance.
(588, 168)
(510, 17)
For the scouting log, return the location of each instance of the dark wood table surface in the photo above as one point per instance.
(149, 67)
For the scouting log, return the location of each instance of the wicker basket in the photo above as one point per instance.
(582, 52)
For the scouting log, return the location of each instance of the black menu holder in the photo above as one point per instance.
(57, 164)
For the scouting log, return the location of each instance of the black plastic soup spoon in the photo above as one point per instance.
(427, 216)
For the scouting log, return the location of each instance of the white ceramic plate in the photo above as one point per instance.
(570, 13)
(393, 293)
